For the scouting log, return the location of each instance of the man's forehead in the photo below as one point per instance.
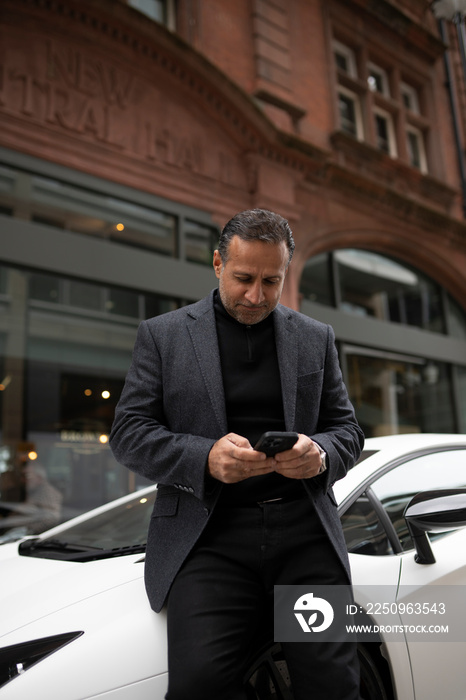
(251, 250)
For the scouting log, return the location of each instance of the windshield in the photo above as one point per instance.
(124, 525)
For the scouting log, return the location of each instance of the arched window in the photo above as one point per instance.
(401, 338)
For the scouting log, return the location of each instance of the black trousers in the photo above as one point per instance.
(223, 597)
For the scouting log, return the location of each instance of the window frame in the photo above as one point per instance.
(391, 133)
(407, 90)
(359, 124)
(350, 55)
(169, 12)
(385, 83)
(365, 489)
(419, 135)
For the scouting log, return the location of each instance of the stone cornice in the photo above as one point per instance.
(401, 206)
(414, 32)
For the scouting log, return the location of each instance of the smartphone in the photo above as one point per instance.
(273, 442)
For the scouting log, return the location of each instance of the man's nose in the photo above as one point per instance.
(255, 293)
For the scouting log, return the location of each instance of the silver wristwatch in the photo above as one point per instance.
(323, 458)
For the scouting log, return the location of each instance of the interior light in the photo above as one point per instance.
(103, 439)
(5, 381)
(32, 455)
(105, 394)
(120, 227)
(88, 392)
(143, 500)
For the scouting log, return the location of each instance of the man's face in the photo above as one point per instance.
(251, 281)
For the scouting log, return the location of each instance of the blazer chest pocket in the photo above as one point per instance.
(312, 380)
(165, 504)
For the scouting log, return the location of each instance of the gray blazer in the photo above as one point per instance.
(172, 410)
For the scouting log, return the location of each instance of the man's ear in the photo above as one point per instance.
(217, 263)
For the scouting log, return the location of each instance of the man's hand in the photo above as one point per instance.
(303, 461)
(232, 459)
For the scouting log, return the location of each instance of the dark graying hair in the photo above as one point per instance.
(256, 225)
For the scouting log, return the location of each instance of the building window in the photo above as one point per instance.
(384, 132)
(385, 97)
(316, 280)
(370, 285)
(200, 242)
(410, 98)
(345, 59)
(65, 348)
(377, 80)
(398, 393)
(415, 147)
(398, 326)
(159, 10)
(350, 113)
(101, 213)
(377, 286)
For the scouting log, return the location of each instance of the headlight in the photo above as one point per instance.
(16, 659)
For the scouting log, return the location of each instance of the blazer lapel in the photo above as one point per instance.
(203, 332)
(287, 352)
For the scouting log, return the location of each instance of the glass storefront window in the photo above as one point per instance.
(316, 280)
(392, 395)
(461, 385)
(71, 207)
(67, 206)
(65, 348)
(374, 285)
(456, 319)
(84, 295)
(200, 242)
(397, 394)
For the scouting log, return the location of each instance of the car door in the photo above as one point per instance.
(438, 657)
(382, 554)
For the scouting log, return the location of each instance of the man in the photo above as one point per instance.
(229, 523)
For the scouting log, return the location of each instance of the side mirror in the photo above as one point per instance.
(434, 511)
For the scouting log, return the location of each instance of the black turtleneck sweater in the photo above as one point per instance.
(253, 397)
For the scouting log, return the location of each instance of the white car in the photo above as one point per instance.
(75, 622)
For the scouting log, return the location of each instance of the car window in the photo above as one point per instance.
(440, 470)
(364, 533)
(121, 526)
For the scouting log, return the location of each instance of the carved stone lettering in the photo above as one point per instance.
(168, 147)
(26, 84)
(88, 76)
(64, 89)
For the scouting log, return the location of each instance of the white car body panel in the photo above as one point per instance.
(108, 614)
(366, 579)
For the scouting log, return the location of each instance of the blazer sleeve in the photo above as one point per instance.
(338, 431)
(140, 438)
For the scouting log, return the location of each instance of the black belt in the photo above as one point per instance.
(271, 500)
(254, 504)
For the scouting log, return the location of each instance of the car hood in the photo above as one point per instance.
(34, 588)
